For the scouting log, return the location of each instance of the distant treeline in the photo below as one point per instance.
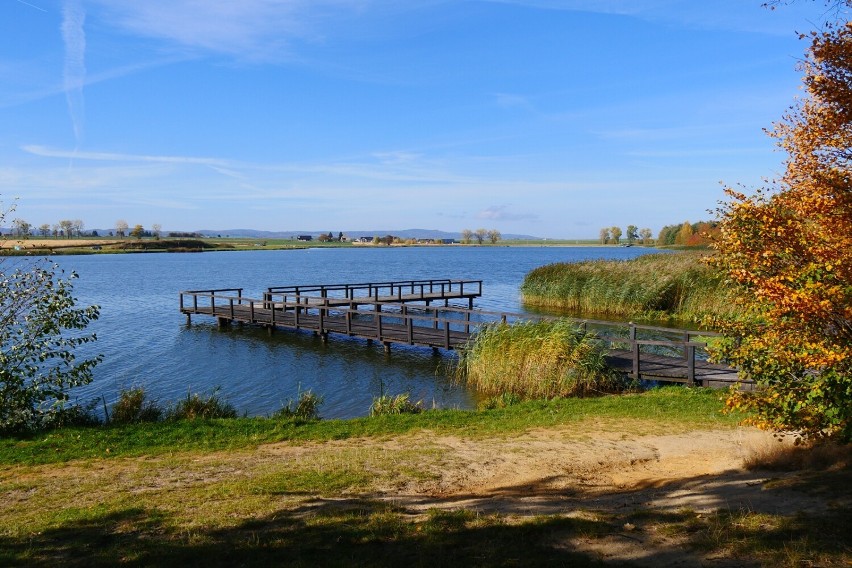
(688, 234)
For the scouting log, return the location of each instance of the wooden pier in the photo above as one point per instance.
(418, 313)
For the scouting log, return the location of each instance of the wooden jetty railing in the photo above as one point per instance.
(639, 351)
(400, 291)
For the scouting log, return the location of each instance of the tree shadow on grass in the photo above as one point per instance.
(342, 533)
(561, 526)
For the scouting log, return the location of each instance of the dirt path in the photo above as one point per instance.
(631, 484)
(551, 472)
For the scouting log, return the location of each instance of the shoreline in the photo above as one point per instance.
(61, 247)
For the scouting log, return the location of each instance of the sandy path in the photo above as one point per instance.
(608, 476)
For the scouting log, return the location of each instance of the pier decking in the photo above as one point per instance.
(418, 313)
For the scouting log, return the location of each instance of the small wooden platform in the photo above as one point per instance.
(673, 370)
(399, 291)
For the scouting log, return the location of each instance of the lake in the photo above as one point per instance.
(146, 341)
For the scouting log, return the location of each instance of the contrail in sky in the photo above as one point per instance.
(32, 6)
(74, 72)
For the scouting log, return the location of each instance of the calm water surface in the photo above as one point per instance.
(146, 342)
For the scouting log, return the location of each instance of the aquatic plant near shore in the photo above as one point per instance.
(305, 408)
(665, 285)
(399, 404)
(537, 360)
(133, 407)
(194, 406)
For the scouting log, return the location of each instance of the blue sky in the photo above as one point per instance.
(542, 117)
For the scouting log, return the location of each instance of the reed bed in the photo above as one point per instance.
(537, 360)
(656, 286)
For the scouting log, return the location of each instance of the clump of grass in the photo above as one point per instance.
(535, 360)
(503, 400)
(195, 406)
(305, 408)
(399, 404)
(133, 407)
(665, 285)
(787, 457)
(63, 415)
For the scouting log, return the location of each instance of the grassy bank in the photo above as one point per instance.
(674, 409)
(657, 286)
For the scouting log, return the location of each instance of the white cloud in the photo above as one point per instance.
(47, 152)
(501, 213)
(250, 29)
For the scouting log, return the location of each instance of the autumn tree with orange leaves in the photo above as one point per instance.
(789, 248)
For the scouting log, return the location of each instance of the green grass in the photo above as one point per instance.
(656, 286)
(163, 495)
(537, 360)
(669, 409)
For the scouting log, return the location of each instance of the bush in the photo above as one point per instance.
(535, 360)
(194, 406)
(132, 408)
(399, 404)
(306, 408)
(41, 327)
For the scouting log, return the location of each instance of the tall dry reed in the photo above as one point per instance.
(535, 360)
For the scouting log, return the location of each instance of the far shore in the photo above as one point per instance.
(12, 246)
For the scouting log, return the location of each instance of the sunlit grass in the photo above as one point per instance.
(671, 409)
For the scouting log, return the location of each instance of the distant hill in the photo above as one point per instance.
(405, 234)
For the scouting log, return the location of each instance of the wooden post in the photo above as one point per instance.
(410, 326)
(690, 365)
(635, 348)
